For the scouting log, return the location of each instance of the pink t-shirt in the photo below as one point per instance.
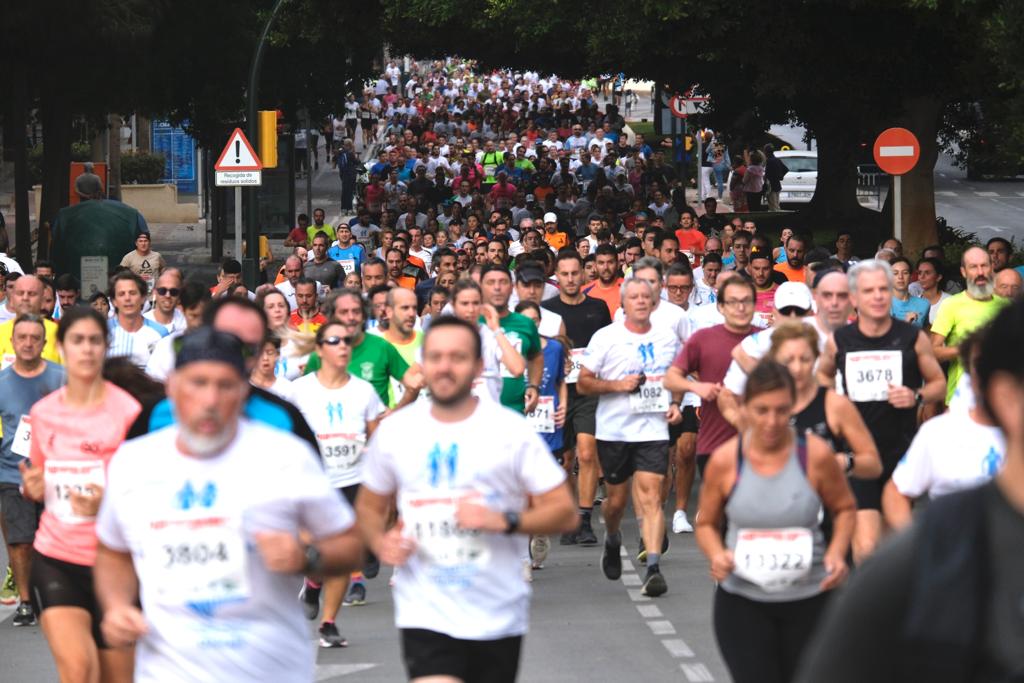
(74, 447)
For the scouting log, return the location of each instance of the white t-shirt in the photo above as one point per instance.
(138, 345)
(757, 346)
(161, 361)
(951, 452)
(615, 352)
(190, 523)
(282, 388)
(468, 585)
(338, 417)
(291, 363)
(178, 321)
(963, 395)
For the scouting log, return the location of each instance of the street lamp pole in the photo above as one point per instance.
(252, 233)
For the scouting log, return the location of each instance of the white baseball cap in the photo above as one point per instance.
(550, 217)
(793, 294)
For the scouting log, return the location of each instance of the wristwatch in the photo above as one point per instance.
(677, 404)
(534, 387)
(918, 398)
(849, 462)
(511, 523)
(314, 563)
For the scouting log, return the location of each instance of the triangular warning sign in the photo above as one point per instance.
(238, 155)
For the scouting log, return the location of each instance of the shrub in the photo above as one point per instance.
(141, 168)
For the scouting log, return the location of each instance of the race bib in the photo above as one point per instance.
(64, 476)
(542, 418)
(773, 558)
(869, 373)
(576, 361)
(652, 397)
(22, 437)
(198, 560)
(7, 360)
(763, 319)
(517, 343)
(348, 265)
(429, 519)
(340, 454)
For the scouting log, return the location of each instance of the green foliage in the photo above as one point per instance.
(80, 151)
(142, 168)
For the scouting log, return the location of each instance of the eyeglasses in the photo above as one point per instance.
(736, 303)
(334, 341)
(793, 310)
(680, 288)
(168, 291)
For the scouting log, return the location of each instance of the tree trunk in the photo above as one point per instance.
(922, 116)
(56, 119)
(114, 147)
(19, 146)
(835, 205)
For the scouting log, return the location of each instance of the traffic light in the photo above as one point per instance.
(268, 138)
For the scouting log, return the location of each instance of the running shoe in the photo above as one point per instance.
(372, 566)
(654, 583)
(329, 636)
(9, 591)
(568, 539)
(586, 536)
(356, 595)
(24, 615)
(539, 548)
(611, 561)
(641, 555)
(310, 599)
(680, 524)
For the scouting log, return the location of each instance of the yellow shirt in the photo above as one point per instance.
(49, 348)
(958, 316)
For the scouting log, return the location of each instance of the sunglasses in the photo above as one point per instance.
(335, 340)
(793, 310)
(168, 291)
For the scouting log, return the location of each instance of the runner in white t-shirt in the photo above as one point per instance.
(343, 412)
(471, 487)
(956, 450)
(200, 522)
(625, 364)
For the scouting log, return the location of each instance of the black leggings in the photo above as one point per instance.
(761, 642)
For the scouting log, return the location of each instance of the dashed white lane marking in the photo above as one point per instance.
(649, 611)
(631, 580)
(987, 194)
(697, 673)
(328, 671)
(1020, 194)
(945, 193)
(677, 647)
(636, 595)
(662, 627)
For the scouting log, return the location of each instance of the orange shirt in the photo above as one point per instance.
(311, 325)
(556, 239)
(612, 296)
(793, 274)
(692, 241)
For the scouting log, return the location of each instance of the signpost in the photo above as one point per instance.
(897, 151)
(681, 106)
(238, 167)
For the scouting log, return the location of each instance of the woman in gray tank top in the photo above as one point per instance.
(765, 488)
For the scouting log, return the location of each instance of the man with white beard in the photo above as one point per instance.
(963, 313)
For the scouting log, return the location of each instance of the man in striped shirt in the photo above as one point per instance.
(131, 334)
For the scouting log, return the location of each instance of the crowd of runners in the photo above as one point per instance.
(520, 330)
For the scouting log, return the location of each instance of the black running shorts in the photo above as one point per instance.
(428, 653)
(621, 459)
(56, 583)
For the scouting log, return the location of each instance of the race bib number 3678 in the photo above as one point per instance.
(869, 373)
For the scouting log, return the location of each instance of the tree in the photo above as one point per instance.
(846, 69)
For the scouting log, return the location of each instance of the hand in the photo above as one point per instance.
(123, 625)
(630, 383)
(32, 485)
(474, 516)
(835, 565)
(559, 416)
(901, 396)
(707, 391)
(87, 504)
(674, 415)
(281, 552)
(393, 548)
(722, 565)
(490, 315)
(416, 381)
(532, 398)
(910, 316)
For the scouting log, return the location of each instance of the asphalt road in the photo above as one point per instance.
(583, 627)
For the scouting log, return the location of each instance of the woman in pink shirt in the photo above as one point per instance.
(75, 432)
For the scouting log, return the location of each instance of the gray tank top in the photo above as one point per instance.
(758, 503)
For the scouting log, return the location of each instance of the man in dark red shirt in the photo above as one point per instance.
(706, 357)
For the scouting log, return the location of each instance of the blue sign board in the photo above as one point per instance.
(179, 151)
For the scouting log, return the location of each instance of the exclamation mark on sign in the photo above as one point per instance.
(238, 152)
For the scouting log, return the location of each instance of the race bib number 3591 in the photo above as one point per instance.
(869, 373)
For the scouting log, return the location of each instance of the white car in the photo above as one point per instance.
(798, 185)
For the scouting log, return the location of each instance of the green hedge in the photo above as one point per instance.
(141, 168)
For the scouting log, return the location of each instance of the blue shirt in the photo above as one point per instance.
(914, 304)
(355, 253)
(554, 375)
(17, 396)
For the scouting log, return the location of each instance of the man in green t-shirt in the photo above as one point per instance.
(961, 314)
(401, 331)
(374, 359)
(516, 393)
(320, 226)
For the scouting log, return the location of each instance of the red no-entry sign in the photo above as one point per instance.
(897, 151)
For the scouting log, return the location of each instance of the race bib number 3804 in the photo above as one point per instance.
(869, 373)
(196, 560)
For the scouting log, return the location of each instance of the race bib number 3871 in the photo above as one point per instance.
(869, 373)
